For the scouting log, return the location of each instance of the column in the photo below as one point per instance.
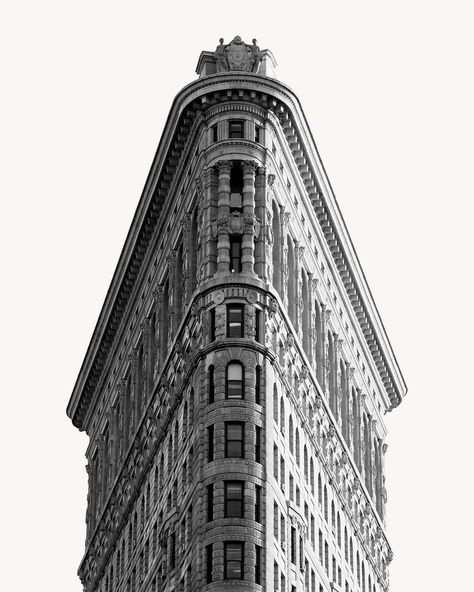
(125, 398)
(311, 291)
(248, 202)
(297, 287)
(263, 245)
(223, 211)
(325, 314)
(357, 443)
(172, 296)
(284, 221)
(187, 255)
(158, 307)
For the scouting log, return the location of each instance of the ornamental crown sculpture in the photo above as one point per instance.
(238, 56)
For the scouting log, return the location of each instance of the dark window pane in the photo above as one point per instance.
(235, 325)
(235, 254)
(234, 440)
(236, 128)
(234, 494)
(233, 561)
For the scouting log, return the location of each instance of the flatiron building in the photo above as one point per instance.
(235, 385)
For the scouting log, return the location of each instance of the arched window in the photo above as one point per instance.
(297, 447)
(235, 381)
(290, 434)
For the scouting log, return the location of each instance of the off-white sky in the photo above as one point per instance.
(387, 88)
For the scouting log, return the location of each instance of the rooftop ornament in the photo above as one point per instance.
(238, 56)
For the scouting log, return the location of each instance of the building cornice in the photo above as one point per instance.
(197, 97)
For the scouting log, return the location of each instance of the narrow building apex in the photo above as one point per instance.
(237, 56)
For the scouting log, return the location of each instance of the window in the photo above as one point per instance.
(233, 561)
(235, 381)
(236, 128)
(210, 443)
(258, 376)
(209, 563)
(233, 499)
(258, 134)
(258, 503)
(258, 564)
(210, 502)
(234, 440)
(293, 545)
(258, 443)
(214, 132)
(211, 384)
(235, 254)
(258, 320)
(235, 320)
(212, 324)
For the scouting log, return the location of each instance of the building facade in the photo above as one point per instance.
(235, 385)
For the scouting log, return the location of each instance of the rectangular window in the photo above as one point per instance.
(211, 384)
(258, 503)
(293, 545)
(235, 381)
(235, 320)
(258, 378)
(210, 502)
(258, 320)
(212, 324)
(210, 443)
(235, 265)
(236, 128)
(275, 576)
(258, 134)
(214, 133)
(291, 487)
(233, 560)
(258, 443)
(209, 563)
(312, 531)
(233, 499)
(234, 440)
(298, 497)
(258, 564)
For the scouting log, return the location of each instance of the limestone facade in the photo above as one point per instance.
(235, 385)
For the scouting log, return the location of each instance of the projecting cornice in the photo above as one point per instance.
(194, 100)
